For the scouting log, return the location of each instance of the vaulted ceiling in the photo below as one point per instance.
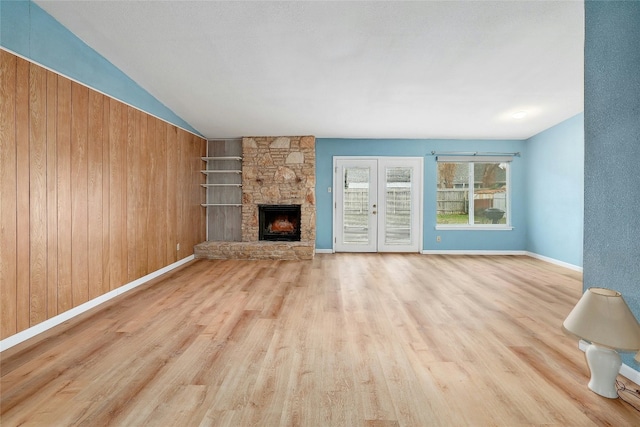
(418, 69)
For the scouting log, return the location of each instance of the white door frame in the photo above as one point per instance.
(417, 199)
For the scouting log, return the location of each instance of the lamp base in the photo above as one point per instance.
(604, 364)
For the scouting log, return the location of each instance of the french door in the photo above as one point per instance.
(377, 204)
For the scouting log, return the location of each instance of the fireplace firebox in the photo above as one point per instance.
(279, 222)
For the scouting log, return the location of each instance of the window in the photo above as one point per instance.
(473, 193)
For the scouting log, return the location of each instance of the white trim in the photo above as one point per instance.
(472, 252)
(491, 252)
(324, 251)
(479, 227)
(417, 204)
(555, 261)
(629, 373)
(625, 370)
(334, 203)
(106, 94)
(69, 314)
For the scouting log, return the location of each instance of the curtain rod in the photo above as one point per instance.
(472, 153)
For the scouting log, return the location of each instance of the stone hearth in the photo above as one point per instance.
(275, 170)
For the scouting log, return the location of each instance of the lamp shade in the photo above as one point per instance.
(603, 317)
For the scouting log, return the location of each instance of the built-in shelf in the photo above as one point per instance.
(222, 158)
(223, 187)
(221, 171)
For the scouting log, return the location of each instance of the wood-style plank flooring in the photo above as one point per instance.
(343, 340)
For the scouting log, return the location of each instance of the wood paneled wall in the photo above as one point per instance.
(93, 194)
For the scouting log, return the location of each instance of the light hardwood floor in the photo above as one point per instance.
(343, 340)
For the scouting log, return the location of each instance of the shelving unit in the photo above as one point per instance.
(224, 189)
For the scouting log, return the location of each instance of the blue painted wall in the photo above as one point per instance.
(514, 239)
(612, 150)
(554, 164)
(29, 31)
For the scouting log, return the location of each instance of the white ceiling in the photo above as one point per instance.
(431, 69)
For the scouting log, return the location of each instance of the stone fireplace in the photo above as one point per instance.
(276, 171)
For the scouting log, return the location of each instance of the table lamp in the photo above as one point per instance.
(603, 318)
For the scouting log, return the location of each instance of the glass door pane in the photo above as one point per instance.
(355, 211)
(399, 194)
(356, 205)
(398, 205)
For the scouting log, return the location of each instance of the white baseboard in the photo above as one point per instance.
(489, 252)
(324, 251)
(555, 261)
(473, 252)
(630, 373)
(69, 314)
(625, 370)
